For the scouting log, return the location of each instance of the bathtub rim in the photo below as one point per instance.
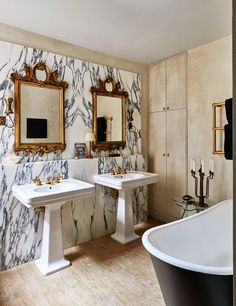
(228, 270)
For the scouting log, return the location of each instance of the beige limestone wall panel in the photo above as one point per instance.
(157, 162)
(157, 87)
(209, 81)
(176, 82)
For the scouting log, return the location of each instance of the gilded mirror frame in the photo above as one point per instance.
(50, 82)
(115, 92)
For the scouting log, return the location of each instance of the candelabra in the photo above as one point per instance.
(201, 195)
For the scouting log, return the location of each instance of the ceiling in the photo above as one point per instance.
(143, 31)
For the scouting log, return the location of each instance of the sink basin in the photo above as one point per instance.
(131, 180)
(52, 197)
(33, 196)
(125, 183)
(129, 176)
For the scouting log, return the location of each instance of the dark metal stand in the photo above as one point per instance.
(201, 195)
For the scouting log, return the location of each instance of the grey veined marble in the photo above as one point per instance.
(81, 76)
(82, 220)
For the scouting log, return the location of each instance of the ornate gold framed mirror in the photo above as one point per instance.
(39, 110)
(109, 117)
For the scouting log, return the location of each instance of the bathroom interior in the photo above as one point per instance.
(112, 145)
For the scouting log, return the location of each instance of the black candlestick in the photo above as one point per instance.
(201, 196)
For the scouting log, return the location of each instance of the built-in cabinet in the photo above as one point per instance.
(167, 135)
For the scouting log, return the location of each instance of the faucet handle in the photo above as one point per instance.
(113, 172)
(48, 181)
(37, 181)
(57, 179)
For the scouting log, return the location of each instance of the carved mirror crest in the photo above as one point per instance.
(109, 115)
(39, 110)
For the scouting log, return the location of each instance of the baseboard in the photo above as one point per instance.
(162, 217)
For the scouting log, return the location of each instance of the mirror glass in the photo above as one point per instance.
(41, 75)
(40, 114)
(109, 119)
(39, 110)
(108, 87)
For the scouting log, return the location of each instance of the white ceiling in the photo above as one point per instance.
(144, 31)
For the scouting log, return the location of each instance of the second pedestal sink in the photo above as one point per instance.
(52, 197)
(125, 183)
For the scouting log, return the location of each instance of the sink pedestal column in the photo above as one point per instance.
(52, 255)
(124, 224)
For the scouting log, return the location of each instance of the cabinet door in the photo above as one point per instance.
(176, 82)
(157, 95)
(157, 162)
(176, 161)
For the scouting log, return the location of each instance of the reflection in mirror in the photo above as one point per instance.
(108, 86)
(39, 110)
(40, 114)
(41, 75)
(109, 119)
(109, 115)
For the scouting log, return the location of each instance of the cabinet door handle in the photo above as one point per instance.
(168, 154)
(164, 108)
(168, 107)
(164, 154)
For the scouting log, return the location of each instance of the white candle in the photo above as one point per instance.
(194, 165)
(191, 164)
(212, 165)
(202, 164)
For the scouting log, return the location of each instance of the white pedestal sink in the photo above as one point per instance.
(125, 183)
(52, 197)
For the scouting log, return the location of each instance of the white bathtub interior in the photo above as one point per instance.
(203, 242)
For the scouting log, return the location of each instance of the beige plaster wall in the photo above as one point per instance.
(26, 38)
(209, 81)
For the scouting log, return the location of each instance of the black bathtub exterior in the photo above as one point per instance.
(181, 287)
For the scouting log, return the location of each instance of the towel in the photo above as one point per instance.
(228, 110)
(228, 129)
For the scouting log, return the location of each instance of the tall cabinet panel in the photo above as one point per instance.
(176, 82)
(167, 135)
(157, 83)
(157, 160)
(176, 163)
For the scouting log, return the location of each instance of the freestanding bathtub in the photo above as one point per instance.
(193, 257)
